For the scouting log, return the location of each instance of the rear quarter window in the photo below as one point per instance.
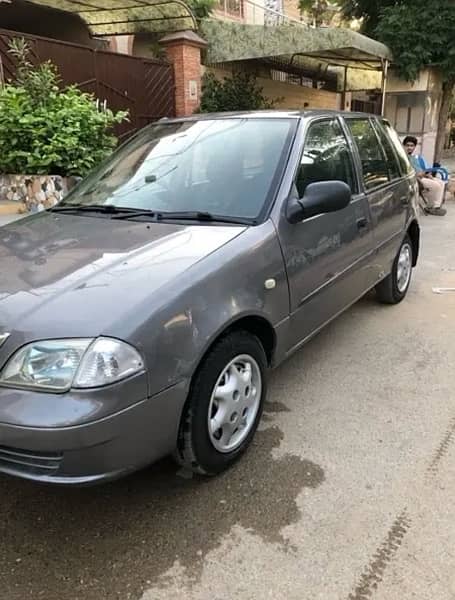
(392, 136)
(395, 171)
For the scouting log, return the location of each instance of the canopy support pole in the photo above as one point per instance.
(385, 70)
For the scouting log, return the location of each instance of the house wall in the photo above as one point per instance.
(291, 9)
(290, 96)
(122, 44)
(413, 108)
(147, 45)
(295, 96)
(254, 13)
(395, 84)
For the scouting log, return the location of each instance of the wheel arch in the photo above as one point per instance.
(256, 325)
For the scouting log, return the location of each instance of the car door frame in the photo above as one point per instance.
(384, 250)
(278, 216)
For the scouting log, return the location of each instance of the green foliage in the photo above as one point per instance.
(420, 34)
(321, 11)
(36, 81)
(46, 130)
(239, 92)
(201, 9)
(368, 10)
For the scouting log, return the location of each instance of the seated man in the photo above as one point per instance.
(432, 189)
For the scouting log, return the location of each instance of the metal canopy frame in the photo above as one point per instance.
(127, 17)
(338, 58)
(294, 68)
(361, 63)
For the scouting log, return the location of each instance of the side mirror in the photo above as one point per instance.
(319, 198)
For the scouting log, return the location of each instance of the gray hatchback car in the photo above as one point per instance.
(140, 316)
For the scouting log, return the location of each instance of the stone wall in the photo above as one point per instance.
(34, 193)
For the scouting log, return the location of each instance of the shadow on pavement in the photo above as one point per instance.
(115, 540)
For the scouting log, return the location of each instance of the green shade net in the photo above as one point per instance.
(126, 17)
(343, 47)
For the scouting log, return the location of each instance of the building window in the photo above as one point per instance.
(363, 106)
(230, 8)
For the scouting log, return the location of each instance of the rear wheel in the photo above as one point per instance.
(394, 287)
(224, 405)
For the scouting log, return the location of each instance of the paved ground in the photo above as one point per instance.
(5, 219)
(347, 493)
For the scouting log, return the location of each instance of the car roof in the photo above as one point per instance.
(270, 114)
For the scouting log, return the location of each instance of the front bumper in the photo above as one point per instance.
(95, 451)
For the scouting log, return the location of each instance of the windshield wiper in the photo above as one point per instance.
(124, 212)
(192, 215)
(203, 216)
(108, 209)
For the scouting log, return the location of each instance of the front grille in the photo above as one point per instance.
(26, 461)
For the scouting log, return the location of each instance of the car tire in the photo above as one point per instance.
(228, 391)
(394, 287)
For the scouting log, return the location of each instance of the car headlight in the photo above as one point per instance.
(58, 365)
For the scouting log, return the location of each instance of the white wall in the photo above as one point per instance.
(396, 84)
(413, 109)
(254, 13)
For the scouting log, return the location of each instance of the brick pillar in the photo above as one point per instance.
(184, 52)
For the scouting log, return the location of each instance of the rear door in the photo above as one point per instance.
(325, 254)
(387, 191)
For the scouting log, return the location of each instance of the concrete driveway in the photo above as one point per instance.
(347, 493)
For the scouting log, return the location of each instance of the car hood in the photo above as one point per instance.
(64, 275)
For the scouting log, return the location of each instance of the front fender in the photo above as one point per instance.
(208, 298)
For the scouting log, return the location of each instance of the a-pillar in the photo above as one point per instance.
(184, 52)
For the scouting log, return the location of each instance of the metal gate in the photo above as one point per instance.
(143, 86)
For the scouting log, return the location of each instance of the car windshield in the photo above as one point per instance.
(225, 167)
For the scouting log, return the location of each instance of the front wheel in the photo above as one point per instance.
(394, 287)
(224, 405)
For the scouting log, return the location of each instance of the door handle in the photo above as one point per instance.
(362, 223)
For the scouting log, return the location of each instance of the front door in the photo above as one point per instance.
(325, 254)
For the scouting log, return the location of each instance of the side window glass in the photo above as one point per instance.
(326, 157)
(374, 166)
(392, 162)
(403, 159)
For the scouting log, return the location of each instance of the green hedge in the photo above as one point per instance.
(48, 130)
